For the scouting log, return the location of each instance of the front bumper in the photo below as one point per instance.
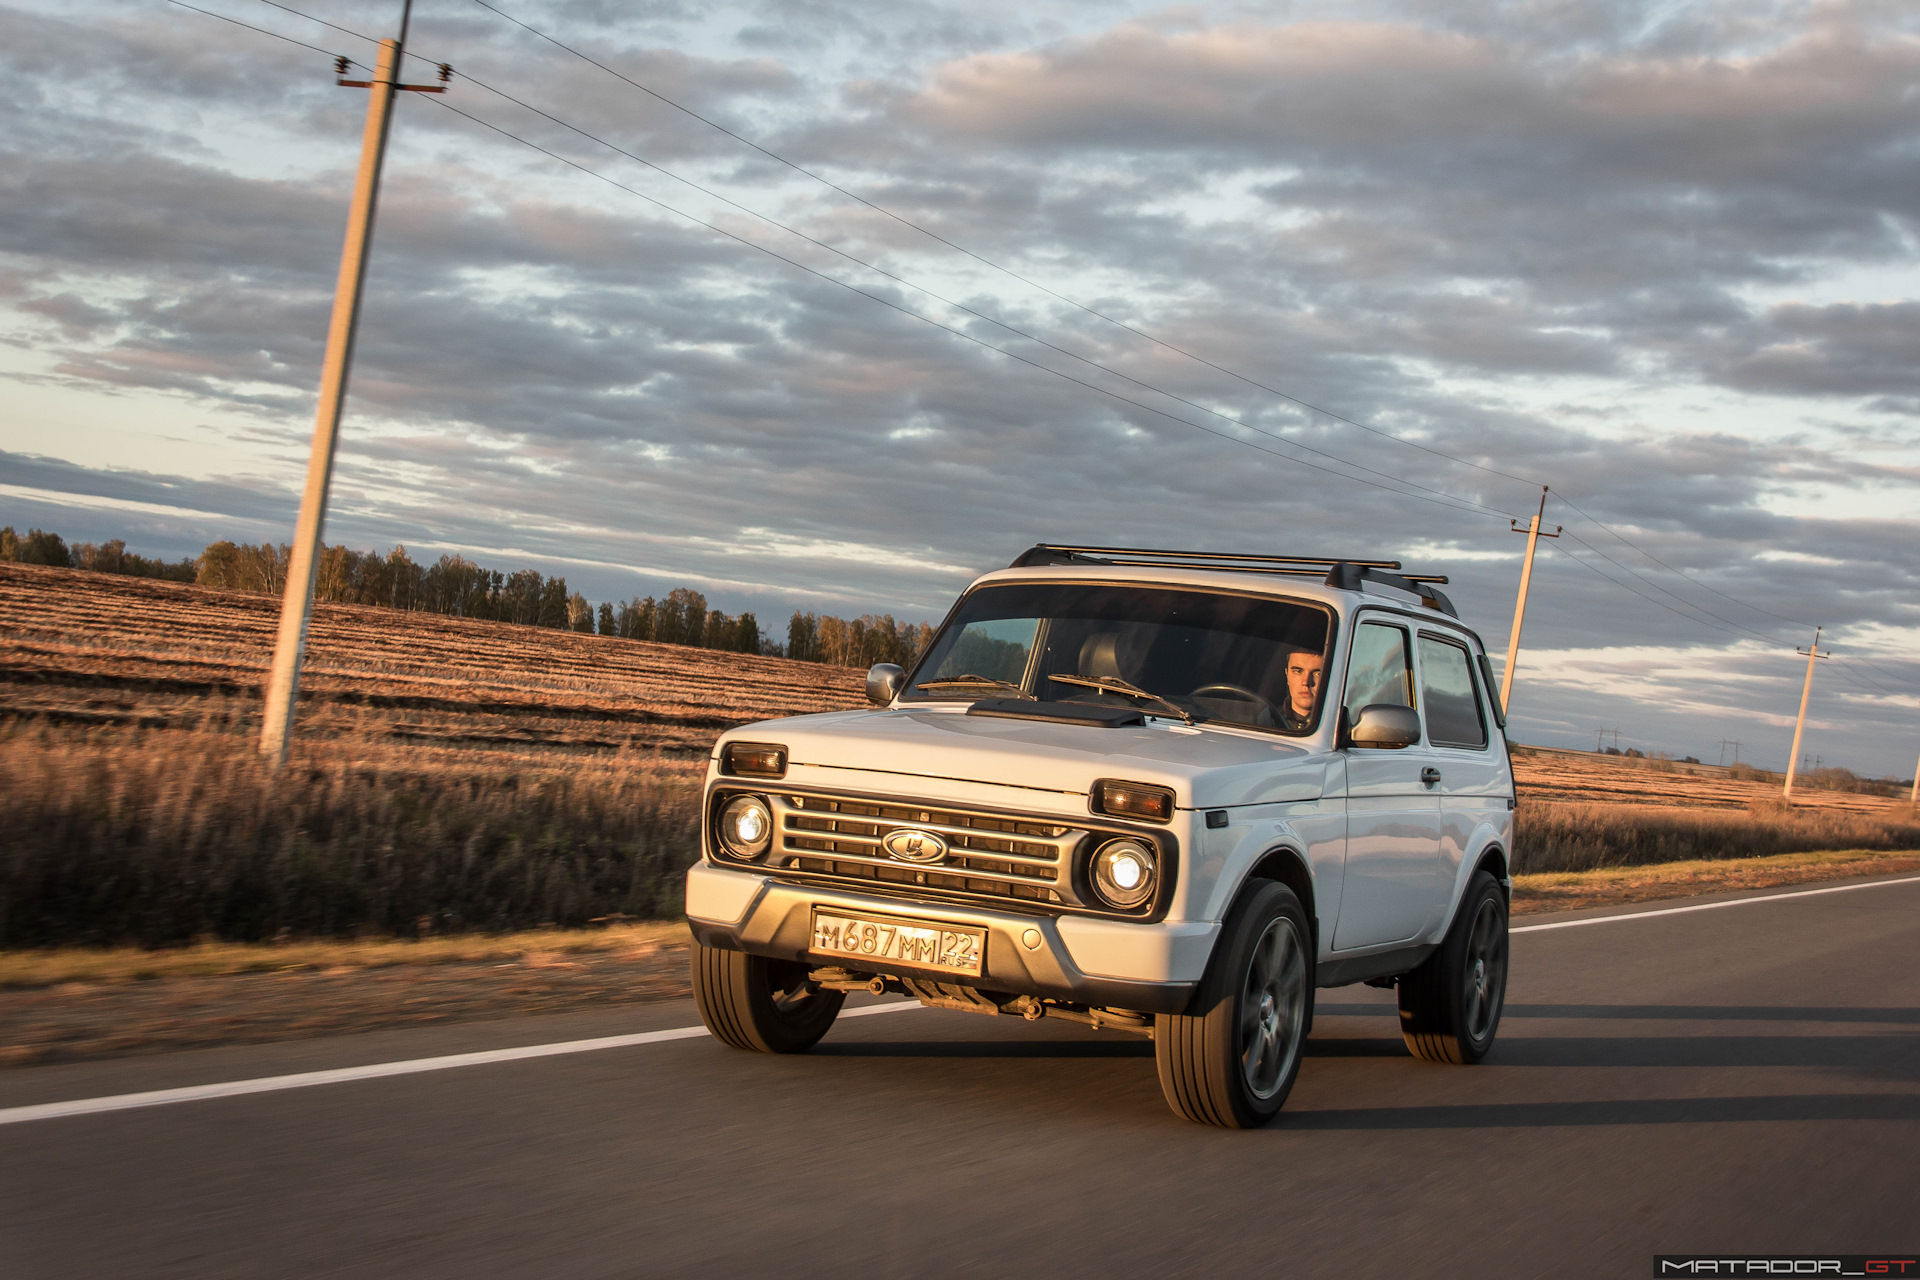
(745, 911)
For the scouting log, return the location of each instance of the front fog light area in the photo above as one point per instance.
(746, 827)
(1123, 872)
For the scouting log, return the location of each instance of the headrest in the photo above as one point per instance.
(1100, 655)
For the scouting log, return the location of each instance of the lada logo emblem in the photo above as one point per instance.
(909, 845)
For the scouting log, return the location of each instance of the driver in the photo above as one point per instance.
(1304, 669)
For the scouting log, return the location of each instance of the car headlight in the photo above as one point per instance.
(1123, 872)
(746, 827)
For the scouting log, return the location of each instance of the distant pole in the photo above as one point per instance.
(1799, 726)
(1520, 606)
(296, 606)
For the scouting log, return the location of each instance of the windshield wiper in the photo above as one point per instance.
(1114, 684)
(976, 682)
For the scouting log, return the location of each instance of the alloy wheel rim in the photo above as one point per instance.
(1272, 1008)
(1486, 970)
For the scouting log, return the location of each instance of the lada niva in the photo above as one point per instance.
(1170, 793)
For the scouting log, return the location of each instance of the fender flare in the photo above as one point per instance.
(1489, 856)
(1286, 864)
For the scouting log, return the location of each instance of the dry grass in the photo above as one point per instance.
(161, 837)
(1586, 837)
(1612, 886)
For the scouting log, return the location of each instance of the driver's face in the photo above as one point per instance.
(1303, 681)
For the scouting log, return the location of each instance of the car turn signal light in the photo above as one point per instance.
(1133, 800)
(754, 760)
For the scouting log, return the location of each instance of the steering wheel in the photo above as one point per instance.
(1239, 693)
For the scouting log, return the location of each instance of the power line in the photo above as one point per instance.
(1654, 600)
(1664, 565)
(1181, 351)
(1439, 498)
(1444, 501)
(1406, 484)
(275, 34)
(345, 31)
(985, 261)
(1738, 635)
(1452, 501)
(1727, 623)
(960, 306)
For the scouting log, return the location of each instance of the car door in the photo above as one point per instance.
(1472, 786)
(1393, 815)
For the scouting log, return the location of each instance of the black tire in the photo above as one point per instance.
(1233, 1061)
(760, 1005)
(1450, 1006)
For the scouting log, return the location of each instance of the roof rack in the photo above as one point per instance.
(1336, 571)
(1294, 566)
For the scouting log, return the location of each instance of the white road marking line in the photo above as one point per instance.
(1712, 906)
(373, 1071)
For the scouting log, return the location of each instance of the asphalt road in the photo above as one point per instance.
(1745, 1080)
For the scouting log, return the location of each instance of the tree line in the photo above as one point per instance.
(37, 546)
(457, 587)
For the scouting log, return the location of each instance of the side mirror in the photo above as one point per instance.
(884, 682)
(1384, 725)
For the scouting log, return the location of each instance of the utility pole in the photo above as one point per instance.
(1915, 797)
(1729, 742)
(1520, 606)
(296, 606)
(1799, 726)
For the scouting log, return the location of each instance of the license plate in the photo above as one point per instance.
(925, 946)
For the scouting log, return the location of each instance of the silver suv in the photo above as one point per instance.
(1166, 792)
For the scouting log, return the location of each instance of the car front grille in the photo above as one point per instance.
(988, 855)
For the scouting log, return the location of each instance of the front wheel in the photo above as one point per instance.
(1450, 1006)
(1233, 1063)
(761, 1005)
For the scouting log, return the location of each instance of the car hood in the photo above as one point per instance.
(1205, 767)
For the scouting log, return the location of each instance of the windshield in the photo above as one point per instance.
(1233, 659)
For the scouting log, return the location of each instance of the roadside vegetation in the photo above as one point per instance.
(1586, 837)
(1619, 886)
(161, 838)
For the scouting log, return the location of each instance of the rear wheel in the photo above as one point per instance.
(1233, 1063)
(1450, 1006)
(762, 1005)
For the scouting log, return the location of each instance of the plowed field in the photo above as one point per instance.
(1580, 777)
(94, 649)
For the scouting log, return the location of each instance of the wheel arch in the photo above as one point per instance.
(1288, 866)
(1493, 860)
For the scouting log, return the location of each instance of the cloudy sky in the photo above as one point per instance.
(1348, 278)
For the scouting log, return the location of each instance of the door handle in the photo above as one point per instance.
(1430, 776)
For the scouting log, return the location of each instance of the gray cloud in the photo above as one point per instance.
(1493, 233)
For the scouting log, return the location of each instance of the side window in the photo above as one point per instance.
(1453, 706)
(1380, 670)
